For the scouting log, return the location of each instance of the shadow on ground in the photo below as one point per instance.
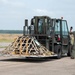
(31, 60)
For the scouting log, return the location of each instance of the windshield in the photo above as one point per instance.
(40, 25)
(49, 27)
(44, 26)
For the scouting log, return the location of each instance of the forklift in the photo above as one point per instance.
(50, 32)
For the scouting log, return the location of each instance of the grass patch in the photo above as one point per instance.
(8, 37)
(6, 40)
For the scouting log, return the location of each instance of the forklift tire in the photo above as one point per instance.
(69, 50)
(58, 51)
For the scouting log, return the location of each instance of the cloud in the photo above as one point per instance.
(43, 12)
(52, 13)
(20, 9)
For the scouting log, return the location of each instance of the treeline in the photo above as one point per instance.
(11, 32)
(15, 32)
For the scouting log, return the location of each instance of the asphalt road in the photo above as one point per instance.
(21, 66)
(51, 66)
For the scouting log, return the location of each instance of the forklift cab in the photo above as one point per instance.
(52, 33)
(41, 24)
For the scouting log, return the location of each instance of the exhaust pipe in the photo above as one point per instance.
(25, 27)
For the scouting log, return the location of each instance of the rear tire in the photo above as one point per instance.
(58, 51)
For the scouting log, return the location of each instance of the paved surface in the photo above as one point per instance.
(52, 66)
(22, 66)
(4, 45)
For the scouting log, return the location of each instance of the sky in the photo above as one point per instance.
(14, 12)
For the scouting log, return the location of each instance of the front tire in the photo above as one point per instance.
(69, 50)
(58, 51)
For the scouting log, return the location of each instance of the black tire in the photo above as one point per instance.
(69, 50)
(58, 51)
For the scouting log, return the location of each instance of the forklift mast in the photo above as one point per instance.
(43, 29)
